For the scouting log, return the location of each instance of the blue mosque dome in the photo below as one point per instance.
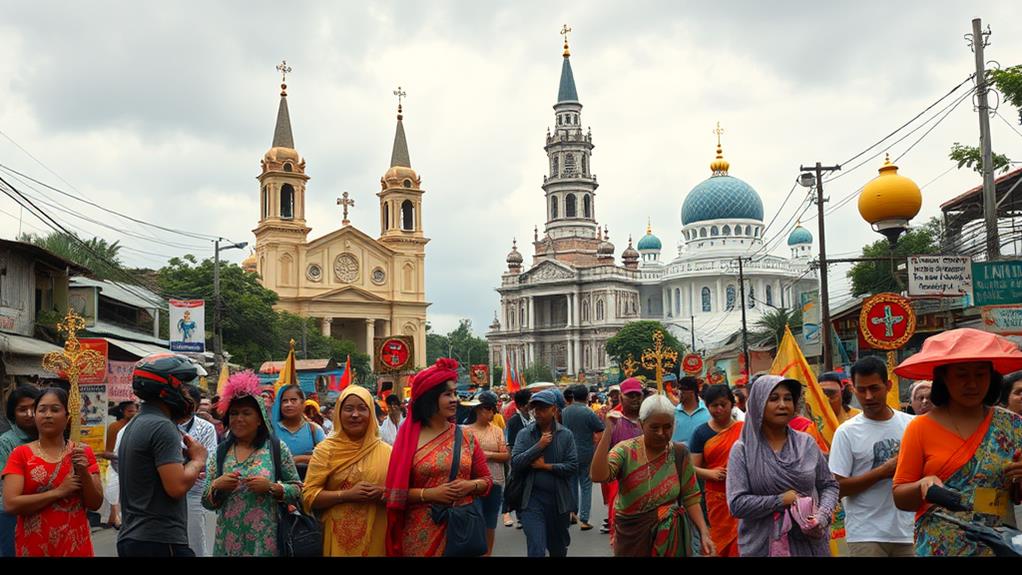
(721, 197)
(799, 236)
(649, 241)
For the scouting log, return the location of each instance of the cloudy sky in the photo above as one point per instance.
(163, 111)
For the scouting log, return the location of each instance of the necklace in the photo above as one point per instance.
(45, 455)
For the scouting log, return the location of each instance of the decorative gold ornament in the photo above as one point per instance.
(659, 359)
(629, 366)
(72, 362)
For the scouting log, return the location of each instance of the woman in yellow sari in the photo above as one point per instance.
(345, 482)
(711, 448)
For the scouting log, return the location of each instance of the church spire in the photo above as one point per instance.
(566, 90)
(399, 155)
(282, 137)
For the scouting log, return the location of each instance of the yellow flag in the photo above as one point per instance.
(790, 363)
(893, 396)
(222, 380)
(288, 373)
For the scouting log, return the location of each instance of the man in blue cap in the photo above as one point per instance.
(584, 424)
(545, 453)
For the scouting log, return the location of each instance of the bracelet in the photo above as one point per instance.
(422, 496)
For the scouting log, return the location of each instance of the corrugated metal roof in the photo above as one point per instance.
(105, 329)
(19, 344)
(118, 292)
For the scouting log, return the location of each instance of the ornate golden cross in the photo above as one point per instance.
(630, 366)
(565, 30)
(72, 362)
(401, 94)
(718, 131)
(345, 203)
(284, 70)
(659, 359)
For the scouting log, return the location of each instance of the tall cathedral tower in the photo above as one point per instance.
(282, 226)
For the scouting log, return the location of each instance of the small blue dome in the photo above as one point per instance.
(721, 198)
(649, 242)
(800, 236)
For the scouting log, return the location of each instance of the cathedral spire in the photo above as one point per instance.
(566, 90)
(399, 155)
(282, 137)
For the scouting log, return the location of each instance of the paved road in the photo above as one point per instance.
(509, 542)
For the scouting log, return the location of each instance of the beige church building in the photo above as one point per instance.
(357, 286)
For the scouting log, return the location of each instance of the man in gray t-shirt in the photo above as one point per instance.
(583, 423)
(154, 482)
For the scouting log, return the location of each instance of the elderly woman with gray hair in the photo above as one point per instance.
(779, 485)
(657, 487)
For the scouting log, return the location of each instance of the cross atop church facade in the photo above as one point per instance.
(345, 202)
(889, 320)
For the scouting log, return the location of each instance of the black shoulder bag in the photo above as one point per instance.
(298, 534)
(466, 529)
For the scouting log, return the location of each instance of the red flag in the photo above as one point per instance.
(345, 380)
(511, 383)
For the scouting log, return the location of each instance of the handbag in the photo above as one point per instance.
(466, 529)
(805, 513)
(298, 534)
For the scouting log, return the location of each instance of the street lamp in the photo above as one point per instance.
(889, 201)
(810, 177)
(217, 337)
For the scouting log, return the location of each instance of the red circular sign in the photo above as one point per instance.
(692, 363)
(887, 321)
(394, 353)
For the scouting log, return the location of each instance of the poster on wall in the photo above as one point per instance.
(118, 382)
(94, 406)
(188, 325)
(102, 347)
(95, 437)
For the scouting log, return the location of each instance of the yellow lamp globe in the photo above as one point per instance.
(889, 201)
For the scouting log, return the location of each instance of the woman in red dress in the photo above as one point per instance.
(50, 483)
(420, 466)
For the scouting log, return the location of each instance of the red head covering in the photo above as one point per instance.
(961, 346)
(399, 475)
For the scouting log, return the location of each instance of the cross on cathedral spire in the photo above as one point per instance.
(400, 96)
(284, 70)
(565, 30)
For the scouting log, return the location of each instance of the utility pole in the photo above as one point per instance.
(741, 304)
(217, 336)
(978, 40)
(815, 177)
(693, 332)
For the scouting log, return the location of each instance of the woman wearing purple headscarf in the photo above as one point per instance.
(770, 468)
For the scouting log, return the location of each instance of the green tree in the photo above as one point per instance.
(96, 254)
(460, 343)
(771, 323)
(636, 337)
(883, 276)
(972, 158)
(538, 371)
(311, 344)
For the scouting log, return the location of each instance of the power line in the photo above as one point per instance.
(1009, 124)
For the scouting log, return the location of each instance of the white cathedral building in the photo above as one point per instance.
(561, 309)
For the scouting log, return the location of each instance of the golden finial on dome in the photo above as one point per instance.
(649, 226)
(564, 32)
(719, 166)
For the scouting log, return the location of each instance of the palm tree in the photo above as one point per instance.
(96, 254)
(772, 323)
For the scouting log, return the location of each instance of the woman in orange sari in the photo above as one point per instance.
(420, 466)
(964, 443)
(711, 447)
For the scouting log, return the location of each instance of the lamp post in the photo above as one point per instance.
(813, 176)
(217, 337)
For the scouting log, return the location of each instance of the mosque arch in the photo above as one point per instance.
(730, 297)
(714, 231)
(707, 300)
(726, 230)
(702, 232)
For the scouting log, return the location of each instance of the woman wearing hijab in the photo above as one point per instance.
(421, 462)
(245, 492)
(345, 482)
(964, 443)
(769, 469)
(711, 448)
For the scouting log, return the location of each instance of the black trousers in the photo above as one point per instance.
(135, 548)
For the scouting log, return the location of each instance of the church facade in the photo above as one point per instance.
(357, 286)
(560, 310)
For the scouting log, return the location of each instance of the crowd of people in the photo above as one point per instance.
(701, 470)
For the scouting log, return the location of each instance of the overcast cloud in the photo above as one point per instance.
(163, 111)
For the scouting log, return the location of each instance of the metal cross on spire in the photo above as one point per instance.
(284, 70)
(564, 32)
(345, 203)
(400, 96)
(718, 131)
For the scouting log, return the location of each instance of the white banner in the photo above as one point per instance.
(945, 276)
(1002, 319)
(188, 325)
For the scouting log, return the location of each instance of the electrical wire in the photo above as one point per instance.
(1009, 124)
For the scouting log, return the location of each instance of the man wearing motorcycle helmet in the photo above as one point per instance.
(155, 477)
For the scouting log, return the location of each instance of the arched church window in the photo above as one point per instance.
(677, 301)
(730, 297)
(587, 204)
(407, 183)
(560, 120)
(702, 232)
(585, 166)
(386, 216)
(569, 205)
(752, 297)
(287, 202)
(707, 302)
(555, 169)
(553, 207)
(585, 311)
(599, 310)
(287, 167)
(769, 295)
(714, 231)
(407, 216)
(726, 231)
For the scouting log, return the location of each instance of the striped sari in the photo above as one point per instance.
(648, 520)
(723, 527)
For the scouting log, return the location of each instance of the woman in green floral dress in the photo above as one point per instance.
(245, 493)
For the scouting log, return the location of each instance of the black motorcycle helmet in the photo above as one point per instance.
(163, 377)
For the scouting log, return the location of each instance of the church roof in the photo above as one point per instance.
(399, 156)
(566, 91)
(282, 137)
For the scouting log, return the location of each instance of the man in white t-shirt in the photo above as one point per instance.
(863, 457)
